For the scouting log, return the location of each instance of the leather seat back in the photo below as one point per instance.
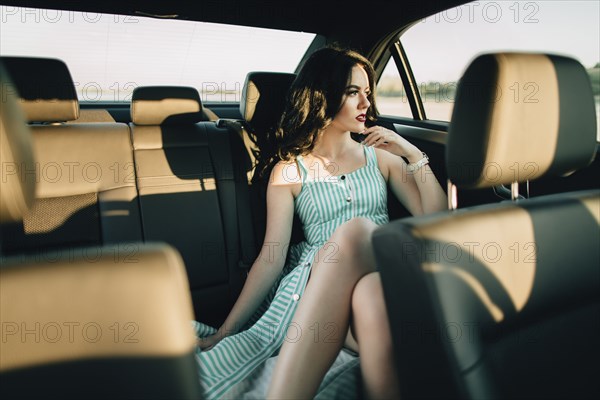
(85, 185)
(501, 300)
(187, 185)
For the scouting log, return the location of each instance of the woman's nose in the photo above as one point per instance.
(364, 103)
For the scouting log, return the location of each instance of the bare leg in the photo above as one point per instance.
(372, 332)
(324, 313)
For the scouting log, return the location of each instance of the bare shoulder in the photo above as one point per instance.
(286, 176)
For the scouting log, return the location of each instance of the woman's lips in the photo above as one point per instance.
(362, 117)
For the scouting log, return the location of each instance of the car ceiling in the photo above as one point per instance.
(351, 23)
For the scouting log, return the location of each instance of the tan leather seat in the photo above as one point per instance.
(502, 300)
(86, 193)
(92, 322)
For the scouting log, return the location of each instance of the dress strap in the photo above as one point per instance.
(303, 169)
(370, 155)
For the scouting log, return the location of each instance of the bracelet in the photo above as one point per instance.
(417, 165)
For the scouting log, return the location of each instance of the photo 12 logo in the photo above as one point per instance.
(94, 91)
(68, 332)
(490, 12)
(222, 92)
(28, 15)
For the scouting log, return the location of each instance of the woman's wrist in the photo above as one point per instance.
(415, 156)
(223, 332)
(414, 167)
(229, 328)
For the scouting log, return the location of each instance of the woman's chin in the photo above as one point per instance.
(357, 127)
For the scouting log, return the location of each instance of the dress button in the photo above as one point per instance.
(348, 199)
(307, 264)
(296, 297)
(343, 177)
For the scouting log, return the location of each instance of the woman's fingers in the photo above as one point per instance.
(376, 135)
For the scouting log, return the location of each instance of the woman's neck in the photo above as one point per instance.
(333, 144)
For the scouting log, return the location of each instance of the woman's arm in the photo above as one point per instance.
(421, 184)
(269, 263)
(420, 191)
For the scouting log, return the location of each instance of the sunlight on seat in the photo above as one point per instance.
(157, 111)
(174, 184)
(473, 283)
(510, 258)
(593, 206)
(115, 213)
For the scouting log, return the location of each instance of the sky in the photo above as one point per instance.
(117, 53)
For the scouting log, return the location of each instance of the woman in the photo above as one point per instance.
(327, 296)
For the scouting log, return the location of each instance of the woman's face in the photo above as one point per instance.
(352, 114)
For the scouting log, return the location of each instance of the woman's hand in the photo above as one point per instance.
(382, 138)
(209, 342)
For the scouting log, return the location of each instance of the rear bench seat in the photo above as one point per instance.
(90, 174)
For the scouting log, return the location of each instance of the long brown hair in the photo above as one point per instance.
(314, 99)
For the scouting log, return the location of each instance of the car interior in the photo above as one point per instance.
(121, 222)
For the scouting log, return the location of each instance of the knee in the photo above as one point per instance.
(353, 235)
(358, 226)
(349, 248)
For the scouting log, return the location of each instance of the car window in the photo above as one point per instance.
(109, 55)
(441, 46)
(391, 97)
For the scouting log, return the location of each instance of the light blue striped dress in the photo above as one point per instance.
(240, 365)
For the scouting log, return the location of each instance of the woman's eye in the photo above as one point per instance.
(353, 93)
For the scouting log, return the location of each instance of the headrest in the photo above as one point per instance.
(263, 98)
(518, 117)
(45, 87)
(16, 155)
(166, 105)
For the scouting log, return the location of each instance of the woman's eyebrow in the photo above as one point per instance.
(355, 87)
